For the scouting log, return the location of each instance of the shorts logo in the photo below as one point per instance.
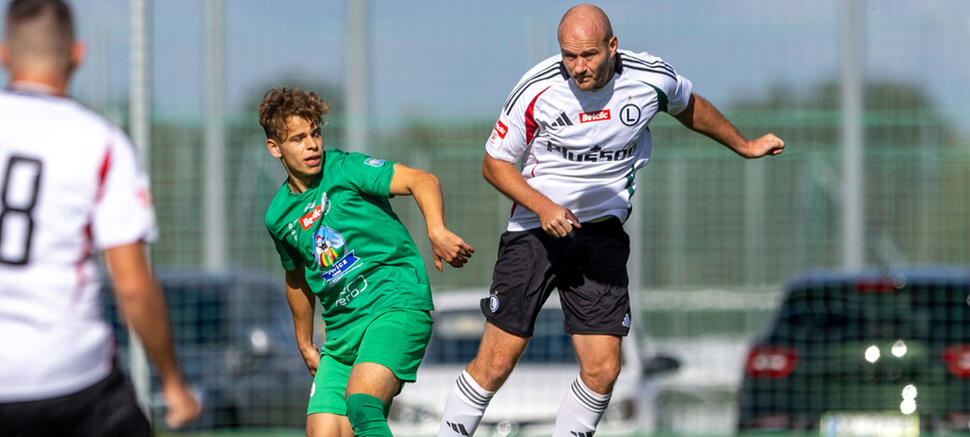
(588, 117)
(374, 162)
(313, 389)
(493, 303)
(626, 320)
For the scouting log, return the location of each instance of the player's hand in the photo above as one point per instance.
(182, 405)
(766, 145)
(557, 221)
(449, 248)
(311, 356)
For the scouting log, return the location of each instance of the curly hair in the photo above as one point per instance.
(284, 102)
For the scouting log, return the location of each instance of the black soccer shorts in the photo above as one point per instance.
(588, 266)
(105, 409)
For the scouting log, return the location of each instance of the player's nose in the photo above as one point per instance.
(580, 67)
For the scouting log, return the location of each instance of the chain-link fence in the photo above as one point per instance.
(716, 236)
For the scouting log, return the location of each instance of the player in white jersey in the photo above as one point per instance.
(579, 122)
(70, 186)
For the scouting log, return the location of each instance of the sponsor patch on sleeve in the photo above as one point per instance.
(498, 133)
(374, 162)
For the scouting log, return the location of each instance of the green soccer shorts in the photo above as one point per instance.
(395, 338)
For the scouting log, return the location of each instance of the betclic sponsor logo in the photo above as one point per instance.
(312, 216)
(589, 117)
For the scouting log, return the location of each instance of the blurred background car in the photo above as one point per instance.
(865, 353)
(528, 402)
(234, 339)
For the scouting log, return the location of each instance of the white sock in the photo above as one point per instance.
(580, 411)
(465, 406)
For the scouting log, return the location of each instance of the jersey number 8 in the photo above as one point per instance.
(21, 183)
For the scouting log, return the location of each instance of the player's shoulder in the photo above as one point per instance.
(643, 65)
(340, 160)
(546, 69)
(548, 72)
(62, 119)
(277, 208)
(55, 108)
(638, 56)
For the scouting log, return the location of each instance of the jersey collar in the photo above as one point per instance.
(32, 88)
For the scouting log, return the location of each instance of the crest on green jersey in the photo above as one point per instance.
(328, 246)
(330, 253)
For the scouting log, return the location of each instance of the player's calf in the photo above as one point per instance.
(580, 411)
(464, 408)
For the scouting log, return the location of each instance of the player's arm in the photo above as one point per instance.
(426, 190)
(301, 300)
(140, 299)
(701, 116)
(556, 220)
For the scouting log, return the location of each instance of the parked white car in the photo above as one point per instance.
(528, 402)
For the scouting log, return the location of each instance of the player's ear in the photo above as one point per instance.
(77, 54)
(5, 55)
(613, 44)
(274, 148)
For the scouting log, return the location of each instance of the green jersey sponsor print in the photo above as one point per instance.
(357, 256)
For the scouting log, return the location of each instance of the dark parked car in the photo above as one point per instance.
(870, 353)
(235, 343)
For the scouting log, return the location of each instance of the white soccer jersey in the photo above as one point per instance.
(582, 148)
(70, 186)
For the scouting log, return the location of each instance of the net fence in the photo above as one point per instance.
(716, 237)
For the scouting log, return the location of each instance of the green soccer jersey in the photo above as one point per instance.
(357, 256)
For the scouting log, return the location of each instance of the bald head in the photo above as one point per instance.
(39, 38)
(585, 21)
(588, 46)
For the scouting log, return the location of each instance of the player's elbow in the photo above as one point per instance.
(489, 169)
(427, 180)
(135, 290)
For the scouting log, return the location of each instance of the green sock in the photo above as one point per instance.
(366, 414)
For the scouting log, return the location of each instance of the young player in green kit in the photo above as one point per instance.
(338, 239)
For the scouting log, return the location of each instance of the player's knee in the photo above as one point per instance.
(366, 414)
(602, 375)
(491, 371)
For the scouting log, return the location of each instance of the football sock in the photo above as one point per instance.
(366, 414)
(464, 408)
(580, 411)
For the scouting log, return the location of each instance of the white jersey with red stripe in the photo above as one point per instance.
(582, 148)
(71, 185)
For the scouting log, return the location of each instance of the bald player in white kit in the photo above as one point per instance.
(580, 120)
(70, 186)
